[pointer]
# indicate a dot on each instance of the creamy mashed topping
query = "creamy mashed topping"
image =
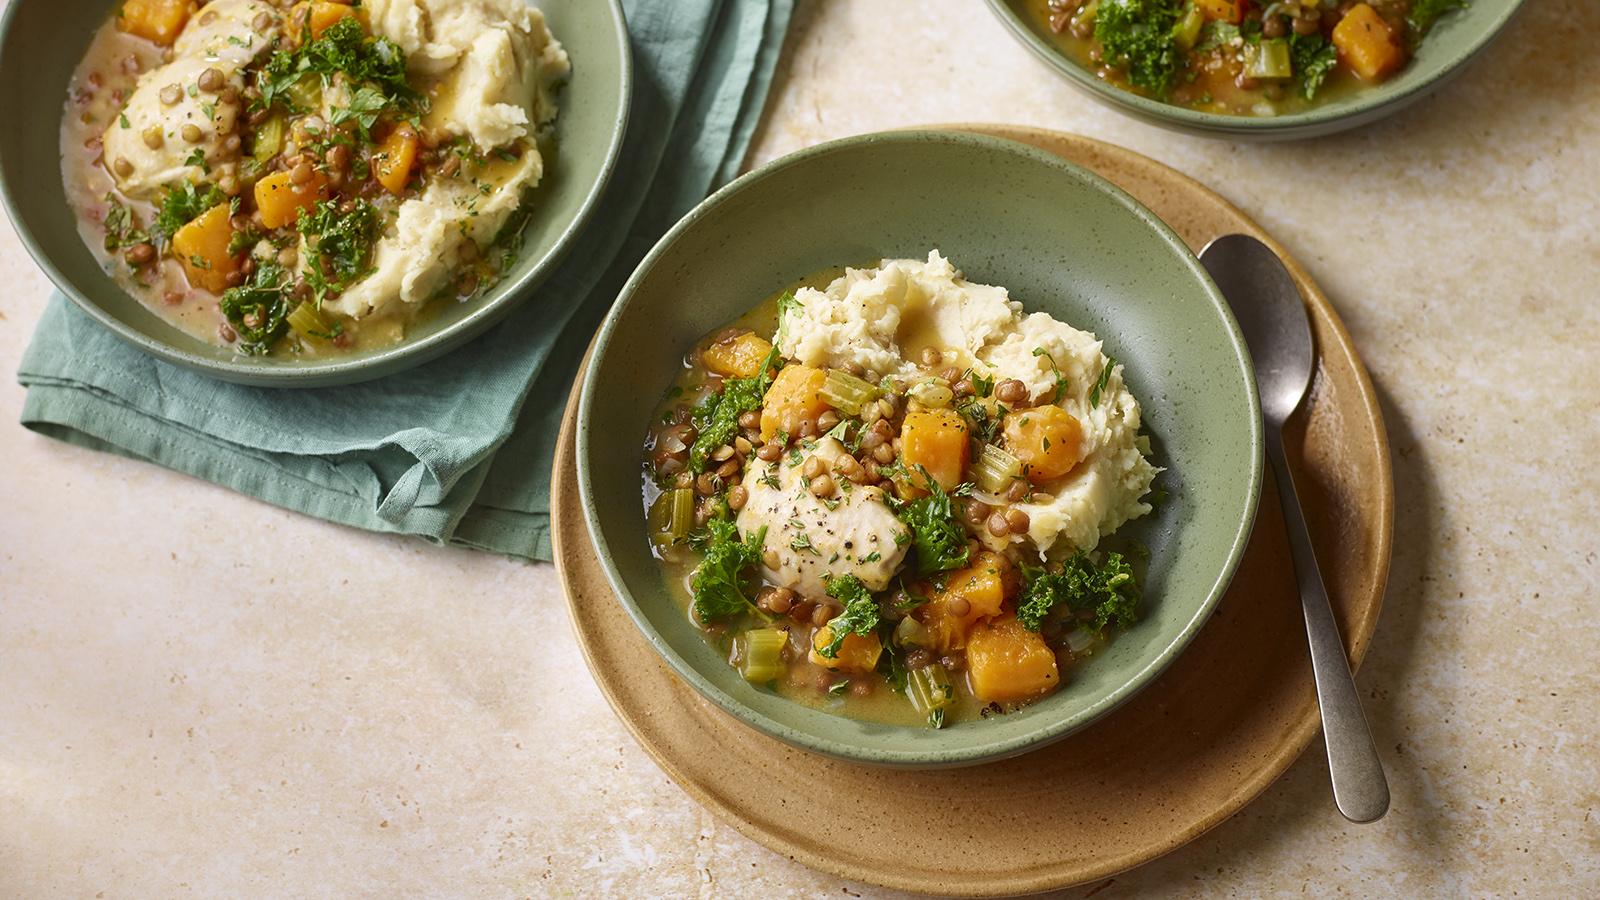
(879, 318)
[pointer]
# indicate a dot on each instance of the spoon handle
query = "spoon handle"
(1359, 787)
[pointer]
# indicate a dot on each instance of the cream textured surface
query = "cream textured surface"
(204, 695)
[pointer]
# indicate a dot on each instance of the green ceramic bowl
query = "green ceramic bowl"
(41, 43)
(1454, 41)
(1065, 242)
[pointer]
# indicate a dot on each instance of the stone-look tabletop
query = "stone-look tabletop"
(187, 708)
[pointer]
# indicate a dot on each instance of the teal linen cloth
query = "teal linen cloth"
(449, 451)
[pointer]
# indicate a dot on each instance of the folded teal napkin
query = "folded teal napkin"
(449, 451)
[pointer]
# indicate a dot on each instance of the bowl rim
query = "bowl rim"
(1378, 103)
(391, 360)
(923, 757)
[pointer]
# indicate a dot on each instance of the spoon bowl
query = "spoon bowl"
(1278, 333)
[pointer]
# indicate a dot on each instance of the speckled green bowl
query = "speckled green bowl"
(1065, 242)
(41, 43)
(1452, 43)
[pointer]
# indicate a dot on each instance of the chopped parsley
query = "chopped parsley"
(375, 68)
(860, 616)
(1313, 58)
(718, 580)
(182, 205)
(121, 229)
(340, 244)
(1100, 383)
(198, 158)
(1108, 590)
(1061, 380)
(258, 309)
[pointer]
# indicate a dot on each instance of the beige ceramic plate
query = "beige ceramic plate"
(1210, 734)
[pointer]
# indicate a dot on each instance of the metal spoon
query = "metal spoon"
(1271, 315)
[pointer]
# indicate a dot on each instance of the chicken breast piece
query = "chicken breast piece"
(853, 533)
(148, 147)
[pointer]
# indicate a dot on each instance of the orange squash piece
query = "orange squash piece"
(155, 20)
(936, 440)
(392, 161)
(795, 396)
(320, 15)
(280, 200)
(858, 655)
(202, 247)
(983, 586)
(1367, 44)
(740, 357)
(1222, 10)
(1006, 662)
(1047, 440)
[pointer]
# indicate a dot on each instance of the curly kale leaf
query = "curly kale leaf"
(1108, 590)
(1137, 35)
(936, 533)
(718, 581)
(860, 616)
(717, 417)
(259, 308)
(1425, 12)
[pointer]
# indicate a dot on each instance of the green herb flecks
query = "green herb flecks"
(340, 244)
(374, 68)
(121, 229)
(182, 205)
(1061, 380)
(258, 309)
(1425, 12)
(1100, 383)
(1313, 58)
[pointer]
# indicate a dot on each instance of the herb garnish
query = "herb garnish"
(1100, 383)
(717, 587)
(1137, 35)
(339, 244)
(1108, 590)
(860, 616)
(717, 417)
(936, 534)
(257, 310)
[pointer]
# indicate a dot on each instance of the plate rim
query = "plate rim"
(1357, 637)
(1303, 124)
(997, 749)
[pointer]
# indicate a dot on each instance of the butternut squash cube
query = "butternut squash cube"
(795, 396)
(202, 247)
(1047, 440)
(1367, 44)
(155, 20)
(970, 595)
(319, 15)
(280, 200)
(1222, 10)
(936, 440)
(1006, 662)
(392, 161)
(740, 357)
(858, 655)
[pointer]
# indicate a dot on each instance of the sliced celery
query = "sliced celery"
(759, 652)
(1269, 60)
(911, 633)
(1187, 32)
(847, 393)
(995, 469)
(680, 519)
(306, 92)
(930, 691)
(307, 322)
(268, 140)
